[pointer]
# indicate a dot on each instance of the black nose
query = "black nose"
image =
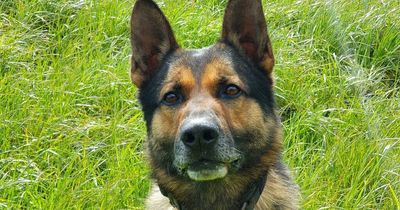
(199, 134)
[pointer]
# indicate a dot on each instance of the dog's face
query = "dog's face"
(209, 112)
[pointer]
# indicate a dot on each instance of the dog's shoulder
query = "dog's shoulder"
(156, 200)
(279, 192)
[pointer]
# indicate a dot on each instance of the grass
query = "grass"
(71, 130)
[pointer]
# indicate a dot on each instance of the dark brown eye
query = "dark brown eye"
(231, 91)
(171, 98)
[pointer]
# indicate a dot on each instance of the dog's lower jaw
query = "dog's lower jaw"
(233, 191)
(279, 193)
(223, 192)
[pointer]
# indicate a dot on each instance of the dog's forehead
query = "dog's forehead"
(206, 60)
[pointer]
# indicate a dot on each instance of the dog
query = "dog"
(214, 139)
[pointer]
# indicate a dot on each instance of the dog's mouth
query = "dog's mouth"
(208, 170)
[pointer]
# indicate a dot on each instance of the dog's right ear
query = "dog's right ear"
(245, 28)
(151, 38)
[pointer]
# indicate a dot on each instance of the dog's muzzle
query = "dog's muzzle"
(203, 151)
(200, 134)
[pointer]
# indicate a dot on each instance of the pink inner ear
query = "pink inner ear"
(250, 49)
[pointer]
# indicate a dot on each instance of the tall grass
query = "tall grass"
(71, 130)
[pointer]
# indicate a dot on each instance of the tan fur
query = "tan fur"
(164, 124)
(136, 75)
(157, 201)
(278, 194)
(219, 69)
(268, 62)
(166, 119)
(179, 74)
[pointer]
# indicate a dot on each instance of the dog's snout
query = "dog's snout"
(196, 135)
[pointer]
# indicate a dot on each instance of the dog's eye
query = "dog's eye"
(231, 91)
(171, 98)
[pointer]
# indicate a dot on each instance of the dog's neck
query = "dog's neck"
(247, 200)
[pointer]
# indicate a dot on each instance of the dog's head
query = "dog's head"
(209, 112)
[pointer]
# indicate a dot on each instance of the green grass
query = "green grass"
(71, 130)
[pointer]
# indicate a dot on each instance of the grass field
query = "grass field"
(71, 130)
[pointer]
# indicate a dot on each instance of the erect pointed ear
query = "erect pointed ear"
(151, 38)
(245, 28)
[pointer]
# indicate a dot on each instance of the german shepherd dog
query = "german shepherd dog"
(214, 138)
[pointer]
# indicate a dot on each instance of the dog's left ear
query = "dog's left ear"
(245, 28)
(151, 38)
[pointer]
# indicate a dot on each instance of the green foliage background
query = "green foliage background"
(71, 130)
